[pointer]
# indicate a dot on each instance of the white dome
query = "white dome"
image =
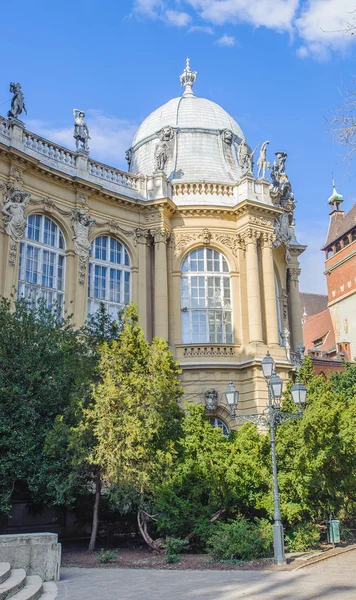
(197, 151)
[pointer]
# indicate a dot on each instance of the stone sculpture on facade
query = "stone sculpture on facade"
(17, 102)
(81, 131)
(13, 213)
(188, 78)
(281, 189)
(227, 136)
(297, 357)
(211, 399)
(81, 223)
(163, 148)
(245, 157)
(128, 156)
(262, 162)
(283, 233)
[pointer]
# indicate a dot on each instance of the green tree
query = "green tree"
(133, 416)
(40, 358)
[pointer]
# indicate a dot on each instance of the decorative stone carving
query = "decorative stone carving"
(283, 233)
(211, 399)
(160, 235)
(12, 253)
(281, 189)
(17, 102)
(294, 274)
(227, 136)
(163, 148)
(260, 221)
(297, 357)
(250, 236)
(206, 236)
(285, 335)
(128, 156)
(230, 241)
(267, 239)
(284, 298)
(153, 217)
(262, 161)
(245, 157)
(81, 131)
(181, 240)
(211, 351)
(13, 211)
(141, 236)
(48, 204)
(81, 223)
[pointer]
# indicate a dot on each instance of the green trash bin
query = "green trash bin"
(333, 531)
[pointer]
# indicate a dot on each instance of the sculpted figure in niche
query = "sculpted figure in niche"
(211, 399)
(13, 213)
(245, 157)
(81, 225)
(162, 150)
(81, 131)
(262, 162)
(17, 102)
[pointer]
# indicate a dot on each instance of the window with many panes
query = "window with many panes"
(219, 424)
(109, 275)
(206, 298)
(42, 262)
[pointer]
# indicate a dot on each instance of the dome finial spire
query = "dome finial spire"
(188, 79)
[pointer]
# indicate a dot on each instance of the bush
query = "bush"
(175, 547)
(106, 556)
(241, 539)
(302, 537)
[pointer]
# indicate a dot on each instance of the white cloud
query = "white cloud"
(110, 137)
(277, 14)
(318, 25)
(322, 25)
(226, 40)
(201, 29)
(179, 19)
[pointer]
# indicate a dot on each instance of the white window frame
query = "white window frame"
(35, 290)
(94, 302)
(194, 317)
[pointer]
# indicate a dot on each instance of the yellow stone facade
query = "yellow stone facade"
(141, 212)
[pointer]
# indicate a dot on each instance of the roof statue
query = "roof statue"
(17, 102)
(262, 162)
(188, 78)
(81, 131)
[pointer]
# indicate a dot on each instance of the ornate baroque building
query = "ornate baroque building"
(205, 248)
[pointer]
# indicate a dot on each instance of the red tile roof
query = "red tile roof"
(319, 327)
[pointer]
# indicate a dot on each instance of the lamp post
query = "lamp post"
(272, 418)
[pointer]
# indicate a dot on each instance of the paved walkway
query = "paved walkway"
(333, 579)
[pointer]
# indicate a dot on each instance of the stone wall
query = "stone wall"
(37, 553)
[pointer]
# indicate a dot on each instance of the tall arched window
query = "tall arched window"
(206, 298)
(109, 275)
(42, 261)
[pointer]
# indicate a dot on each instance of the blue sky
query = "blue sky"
(277, 66)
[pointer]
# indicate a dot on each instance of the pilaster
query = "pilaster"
(293, 274)
(269, 289)
(253, 287)
(160, 239)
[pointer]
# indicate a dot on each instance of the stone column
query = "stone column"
(253, 288)
(160, 237)
(295, 306)
(269, 289)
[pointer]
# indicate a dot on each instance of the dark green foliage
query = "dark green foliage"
(241, 539)
(302, 537)
(175, 547)
(40, 357)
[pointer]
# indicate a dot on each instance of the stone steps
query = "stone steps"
(16, 585)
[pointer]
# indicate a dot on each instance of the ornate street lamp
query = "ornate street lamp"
(272, 417)
(232, 397)
(299, 394)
